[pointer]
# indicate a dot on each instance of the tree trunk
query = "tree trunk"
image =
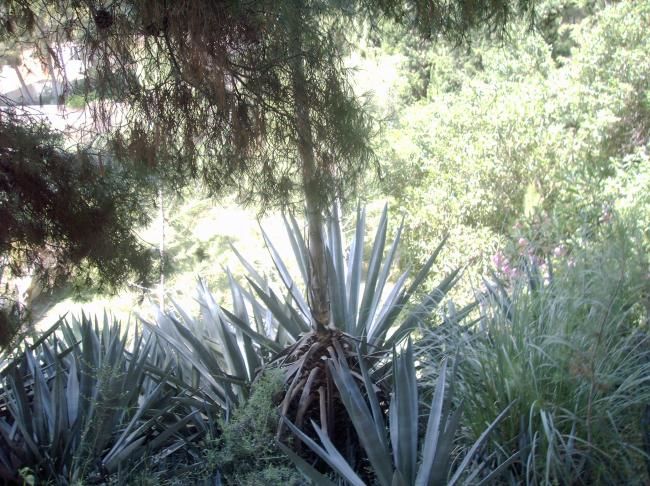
(64, 72)
(318, 290)
(161, 250)
(23, 86)
(50, 66)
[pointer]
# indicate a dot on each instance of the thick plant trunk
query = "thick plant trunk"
(318, 290)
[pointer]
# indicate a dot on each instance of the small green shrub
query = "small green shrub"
(246, 452)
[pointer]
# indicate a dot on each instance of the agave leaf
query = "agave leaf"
(72, 391)
(426, 268)
(206, 398)
(389, 312)
(72, 342)
(362, 420)
(106, 411)
(284, 318)
(42, 403)
(29, 441)
(336, 294)
(335, 243)
(299, 247)
(6, 466)
(127, 436)
(284, 338)
(428, 304)
(18, 404)
(249, 268)
(255, 336)
(328, 453)
(173, 430)
(336, 273)
(442, 461)
(433, 298)
(60, 408)
(205, 363)
(131, 379)
(285, 276)
(208, 362)
(183, 313)
(299, 318)
(89, 364)
(382, 280)
(355, 262)
(43, 337)
(305, 468)
(232, 353)
(128, 444)
(398, 479)
(377, 414)
(263, 319)
(403, 414)
(448, 427)
(131, 451)
(372, 275)
(253, 360)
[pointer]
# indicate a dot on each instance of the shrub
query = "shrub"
(571, 348)
(246, 452)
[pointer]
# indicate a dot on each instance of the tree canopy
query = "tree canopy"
(205, 89)
(248, 95)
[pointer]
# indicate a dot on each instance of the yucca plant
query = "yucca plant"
(223, 349)
(397, 454)
(362, 310)
(80, 405)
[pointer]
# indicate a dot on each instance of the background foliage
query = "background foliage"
(480, 137)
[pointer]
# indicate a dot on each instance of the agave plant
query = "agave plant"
(365, 310)
(396, 456)
(222, 350)
(80, 405)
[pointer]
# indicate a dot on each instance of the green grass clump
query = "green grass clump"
(572, 351)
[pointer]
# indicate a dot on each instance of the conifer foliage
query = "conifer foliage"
(62, 211)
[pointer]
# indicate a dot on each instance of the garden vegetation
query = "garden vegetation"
(495, 333)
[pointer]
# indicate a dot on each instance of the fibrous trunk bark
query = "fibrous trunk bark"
(318, 290)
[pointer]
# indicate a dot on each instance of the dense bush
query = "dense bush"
(247, 452)
(567, 340)
(481, 136)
